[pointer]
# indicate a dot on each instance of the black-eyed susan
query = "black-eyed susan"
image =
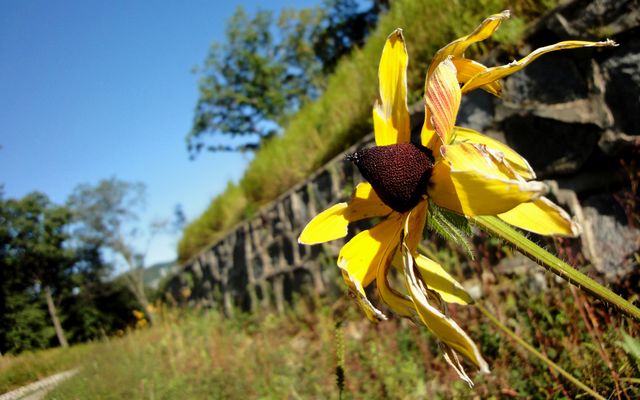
(454, 168)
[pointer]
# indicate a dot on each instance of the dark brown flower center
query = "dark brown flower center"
(399, 173)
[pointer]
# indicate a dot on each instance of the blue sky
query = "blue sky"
(94, 89)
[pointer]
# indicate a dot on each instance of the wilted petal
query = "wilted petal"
(332, 223)
(442, 96)
(396, 301)
(416, 221)
(458, 46)
(357, 291)
(517, 162)
(469, 182)
(542, 217)
(391, 115)
(467, 69)
(436, 278)
(445, 329)
(492, 74)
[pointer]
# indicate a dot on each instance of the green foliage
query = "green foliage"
(322, 129)
(294, 355)
(37, 254)
(450, 226)
(250, 84)
(105, 216)
(269, 68)
(25, 323)
(33, 259)
(16, 371)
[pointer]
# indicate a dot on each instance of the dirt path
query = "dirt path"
(37, 390)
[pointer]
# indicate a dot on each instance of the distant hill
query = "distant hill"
(154, 274)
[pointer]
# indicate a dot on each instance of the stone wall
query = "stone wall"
(575, 115)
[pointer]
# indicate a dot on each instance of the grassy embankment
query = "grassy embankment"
(342, 115)
(200, 354)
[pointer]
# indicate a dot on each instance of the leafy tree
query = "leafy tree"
(251, 83)
(104, 214)
(344, 26)
(268, 68)
(34, 263)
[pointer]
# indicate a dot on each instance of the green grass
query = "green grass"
(16, 371)
(199, 354)
(342, 115)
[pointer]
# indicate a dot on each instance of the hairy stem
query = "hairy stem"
(503, 230)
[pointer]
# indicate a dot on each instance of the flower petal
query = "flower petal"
(416, 220)
(332, 223)
(329, 225)
(396, 301)
(492, 74)
(467, 69)
(542, 217)
(458, 46)
(365, 203)
(391, 115)
(357, 291)
(361, 257)
(445, 328)
(469, 182)
(442, 96)
(517, 162)
(436, 278)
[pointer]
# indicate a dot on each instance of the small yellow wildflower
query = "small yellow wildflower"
(455, 168)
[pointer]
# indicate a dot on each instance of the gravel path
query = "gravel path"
(37, 390)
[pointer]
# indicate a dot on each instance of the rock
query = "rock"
(615, 241)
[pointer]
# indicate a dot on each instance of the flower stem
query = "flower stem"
(536, 353)
(547, 260)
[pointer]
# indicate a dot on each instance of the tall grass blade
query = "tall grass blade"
(536, 353)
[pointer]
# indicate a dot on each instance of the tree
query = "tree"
(344, 26)
(251, 84)
(34, 263)
(104, 215)
(268, 68)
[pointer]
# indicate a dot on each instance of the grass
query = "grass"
(342, 115)
(16, 371)
(200, 354)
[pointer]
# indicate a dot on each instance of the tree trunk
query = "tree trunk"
(54, 317)
(135, 282)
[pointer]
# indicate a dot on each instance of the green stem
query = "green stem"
(503, 230)
(536, 353)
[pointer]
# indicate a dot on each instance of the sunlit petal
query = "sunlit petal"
(416, 221)
(396, 301)
(358, 293)
(467, 69)
(368, 250)
(542, 217)
(442, 97)
(391, 115)
(329, 225)
(475, 186)
(439, 280)
(458, 46)
(365, 203)
(492, 74)
(446, 329)
(517, 162)
(332, 223)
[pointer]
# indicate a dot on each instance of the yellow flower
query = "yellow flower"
(455, 168)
